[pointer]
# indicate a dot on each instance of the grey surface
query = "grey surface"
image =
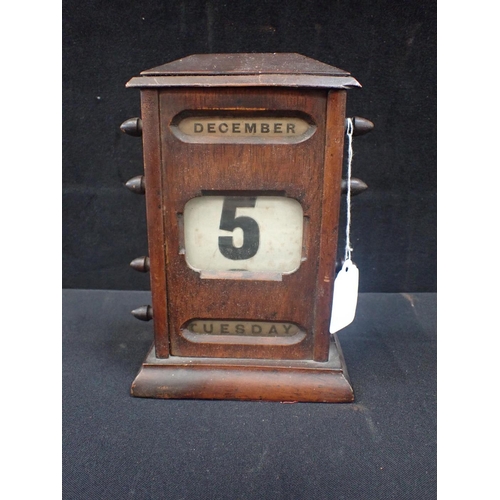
(383, 446)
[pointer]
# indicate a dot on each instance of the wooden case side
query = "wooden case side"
(156, 235)
(332, 178)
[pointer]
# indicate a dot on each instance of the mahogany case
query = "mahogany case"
(224, 91)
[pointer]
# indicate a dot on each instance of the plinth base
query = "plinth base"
(245, 379)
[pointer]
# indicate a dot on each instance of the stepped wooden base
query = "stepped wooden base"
(245, 379)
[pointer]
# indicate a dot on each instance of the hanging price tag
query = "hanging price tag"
(345, 296)
(345, 289)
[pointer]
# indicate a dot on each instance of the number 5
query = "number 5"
(229, 222)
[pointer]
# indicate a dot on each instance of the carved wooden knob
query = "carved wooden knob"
(357, 186)
(140, 264)
(132, 126)
(144, 313)
(136, 184)
(361, 126)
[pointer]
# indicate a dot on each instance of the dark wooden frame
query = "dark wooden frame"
(308, 171)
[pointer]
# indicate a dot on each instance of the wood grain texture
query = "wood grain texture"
(332, 179)
(256, 64)
(190, 170)
(177, 171)
(202, 349)
(290, 81)
(247, 70)
(156, 236)
(250, 380)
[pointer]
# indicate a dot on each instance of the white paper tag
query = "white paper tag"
(345, 296)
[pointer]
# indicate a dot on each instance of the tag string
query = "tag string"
(348, 248)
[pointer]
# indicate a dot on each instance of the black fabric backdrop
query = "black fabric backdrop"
(388, 45)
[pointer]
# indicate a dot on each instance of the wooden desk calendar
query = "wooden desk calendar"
(242, 177)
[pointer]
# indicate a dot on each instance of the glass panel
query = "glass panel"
(239, 127)
(243, 233)
(250, 328)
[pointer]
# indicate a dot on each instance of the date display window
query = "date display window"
(243, 236)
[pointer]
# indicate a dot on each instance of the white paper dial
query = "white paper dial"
(243, 233)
